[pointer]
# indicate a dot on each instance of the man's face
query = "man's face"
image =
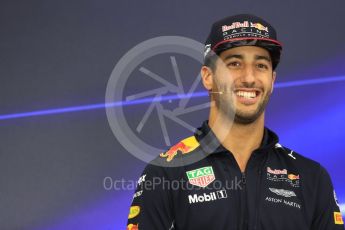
(245, 75)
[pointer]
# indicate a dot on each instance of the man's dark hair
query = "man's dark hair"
(210, 61)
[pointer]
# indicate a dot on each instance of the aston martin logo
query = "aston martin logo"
(283, 192)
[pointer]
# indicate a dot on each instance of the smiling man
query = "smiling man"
(232, 173)
(240, 83)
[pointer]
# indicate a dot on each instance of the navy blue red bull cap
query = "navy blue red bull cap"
(243, 30)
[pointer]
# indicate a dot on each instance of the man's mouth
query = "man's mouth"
(247, 96)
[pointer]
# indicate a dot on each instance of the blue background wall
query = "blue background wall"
(58, 54)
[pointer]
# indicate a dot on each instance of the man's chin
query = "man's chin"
(246, 119)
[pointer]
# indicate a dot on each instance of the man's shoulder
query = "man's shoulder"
(300, 161)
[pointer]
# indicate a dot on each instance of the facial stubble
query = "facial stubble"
(225, 103)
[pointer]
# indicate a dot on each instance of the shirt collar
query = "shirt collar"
(210, 143)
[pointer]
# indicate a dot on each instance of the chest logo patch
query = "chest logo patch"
(279, 175)
(201, 177)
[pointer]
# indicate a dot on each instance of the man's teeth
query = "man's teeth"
(246, 94)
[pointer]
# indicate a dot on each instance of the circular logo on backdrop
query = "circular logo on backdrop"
(155, 92)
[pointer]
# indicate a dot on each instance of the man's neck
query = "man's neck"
(240, 139)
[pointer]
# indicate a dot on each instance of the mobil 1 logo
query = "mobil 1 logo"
(207, 197)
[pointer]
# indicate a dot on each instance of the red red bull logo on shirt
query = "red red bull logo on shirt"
(276, 171)
(185, 146)
(278, 175)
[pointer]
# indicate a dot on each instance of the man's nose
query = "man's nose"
(248, 75)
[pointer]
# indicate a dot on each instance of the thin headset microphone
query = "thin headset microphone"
(218, 92)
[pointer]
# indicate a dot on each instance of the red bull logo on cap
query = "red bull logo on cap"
(235, 25)
(245, 24)
(185, 146)
(293, 177)
(259, 26)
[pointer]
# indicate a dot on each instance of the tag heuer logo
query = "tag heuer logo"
(201, 177)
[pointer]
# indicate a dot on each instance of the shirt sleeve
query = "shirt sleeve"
(151, 207)
(327, 214)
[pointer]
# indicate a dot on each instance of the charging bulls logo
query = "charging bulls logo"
(185, 146)
(259, 26)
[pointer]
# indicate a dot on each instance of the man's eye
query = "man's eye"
(234, 64)
(262, 66)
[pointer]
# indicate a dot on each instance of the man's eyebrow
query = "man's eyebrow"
(239, 56)
(261, 57)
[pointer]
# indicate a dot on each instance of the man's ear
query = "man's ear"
(274, 74)
(207, 77)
